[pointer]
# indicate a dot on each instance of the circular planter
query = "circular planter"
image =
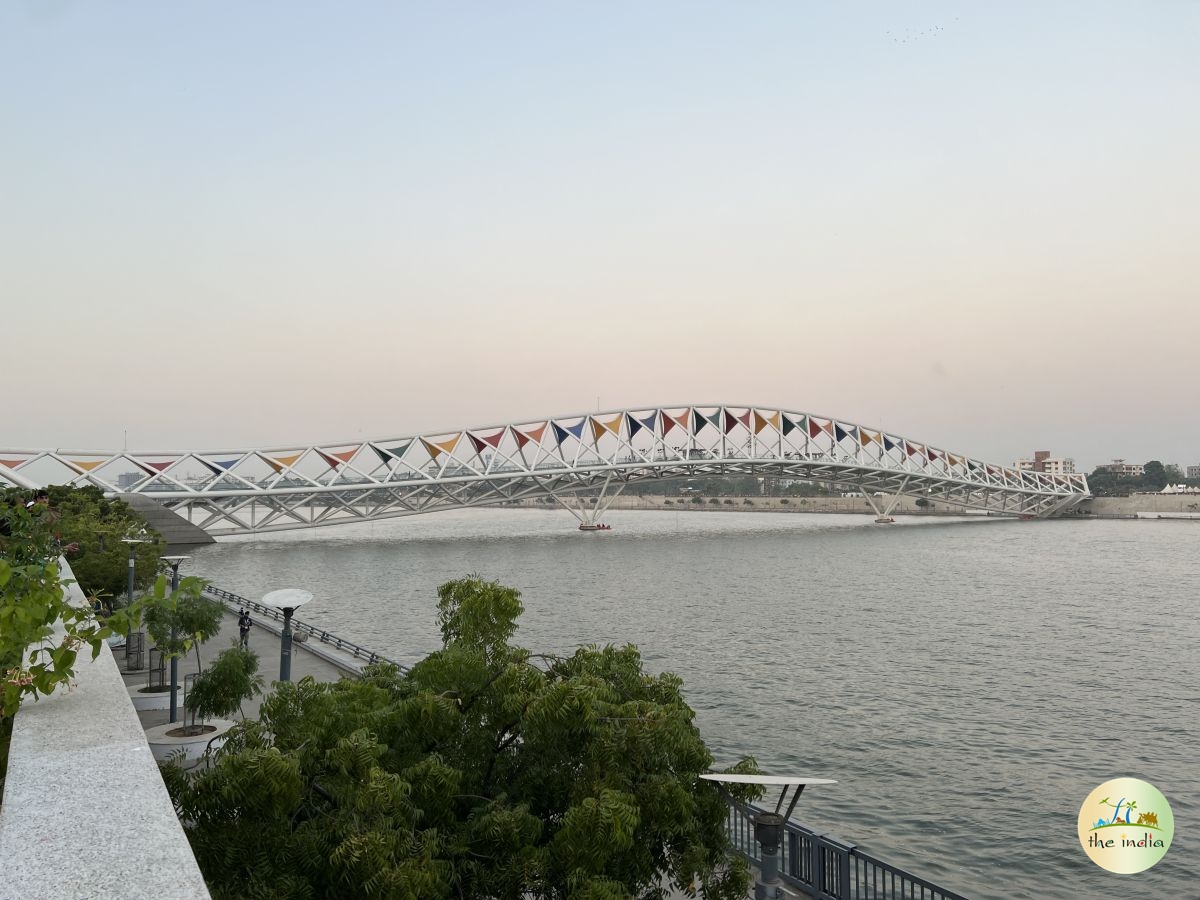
(163, 744)
(144, 700)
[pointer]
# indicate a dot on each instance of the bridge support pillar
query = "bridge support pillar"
(589, 517)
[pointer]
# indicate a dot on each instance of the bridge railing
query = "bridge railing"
(825, 867)
(231, 601)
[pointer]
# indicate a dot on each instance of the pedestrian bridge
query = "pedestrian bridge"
(570, 459)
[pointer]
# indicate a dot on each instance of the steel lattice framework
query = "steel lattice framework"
(255, 490)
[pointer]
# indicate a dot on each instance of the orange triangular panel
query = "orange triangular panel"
(865, 437)
(524, 437)
(597, 428)
(333, 460)
(279, 463)
(11, 463)
(87, 466)
(437, 448)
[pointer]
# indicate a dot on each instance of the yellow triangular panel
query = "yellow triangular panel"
(87, 466)
(279, 463)
(437, 448)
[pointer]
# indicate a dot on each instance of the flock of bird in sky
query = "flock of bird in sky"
(908, 36)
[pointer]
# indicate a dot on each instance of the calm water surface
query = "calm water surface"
(968, 683)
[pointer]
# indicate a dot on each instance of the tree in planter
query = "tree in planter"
(219, 692)
(180, 621)
(486, 771)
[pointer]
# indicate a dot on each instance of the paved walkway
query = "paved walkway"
(321, 662)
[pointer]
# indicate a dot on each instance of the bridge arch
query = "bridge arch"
(252, 490)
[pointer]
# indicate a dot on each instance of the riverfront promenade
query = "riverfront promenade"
(321, 662)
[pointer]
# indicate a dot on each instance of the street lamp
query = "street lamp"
(131, 543)
(174, 563)
(287, 599)
(768, 826)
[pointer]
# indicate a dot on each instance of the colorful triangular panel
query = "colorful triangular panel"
(437, 448)
(279, 463)
(535, 435)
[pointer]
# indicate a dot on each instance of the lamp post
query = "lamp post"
(131, 543)
(174, 562)
(289, 600)
(768, 826)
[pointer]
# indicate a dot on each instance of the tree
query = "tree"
(181, 620)
(221, 690)
(486, 771)
(94, 525)
(1154, 476)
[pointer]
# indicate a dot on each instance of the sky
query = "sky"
(227, 224)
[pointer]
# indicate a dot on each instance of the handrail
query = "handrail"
(226, 598)
(825, 867)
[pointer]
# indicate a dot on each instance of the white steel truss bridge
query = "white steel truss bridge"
(566, 458)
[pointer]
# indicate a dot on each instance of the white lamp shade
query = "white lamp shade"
(286, 598)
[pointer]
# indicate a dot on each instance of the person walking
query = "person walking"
(244, 623)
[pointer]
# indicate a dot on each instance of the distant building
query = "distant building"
(126, 480)
(1043, 462)
(1124, 469)
(1193, 471)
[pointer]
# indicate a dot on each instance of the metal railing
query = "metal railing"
(825, 867)
(232, 602)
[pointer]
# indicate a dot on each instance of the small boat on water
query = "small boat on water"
(885, 520)
(596, 527)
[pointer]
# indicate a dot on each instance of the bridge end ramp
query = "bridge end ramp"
(176, 530)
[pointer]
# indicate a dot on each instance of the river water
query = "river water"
(967, 682)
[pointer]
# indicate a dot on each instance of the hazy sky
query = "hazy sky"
(224, 224)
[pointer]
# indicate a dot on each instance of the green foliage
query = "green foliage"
(41, 632)
(922, 502)
(94, 526)
(486, 772)
(220, 690)
(181, 620)
(1155, 476)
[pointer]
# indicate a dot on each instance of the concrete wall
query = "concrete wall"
(1131, 506)
(86, 813)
